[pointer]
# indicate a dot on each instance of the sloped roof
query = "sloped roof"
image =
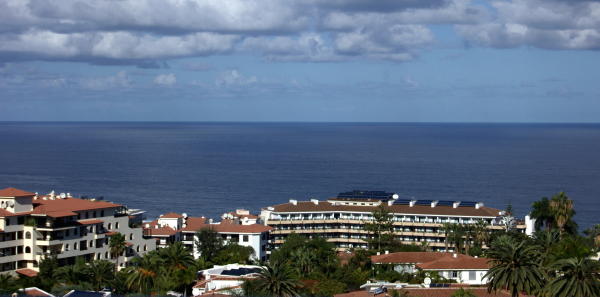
(61, 206)
(324, 206)
(27, 272)
(160, 231)
(171, 215)
(13, 192)
(431, 292)
(456, 263)
(407, 257)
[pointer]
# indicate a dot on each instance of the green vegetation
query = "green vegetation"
(554, 262)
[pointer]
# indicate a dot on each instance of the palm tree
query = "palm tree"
(117, 246)
(277, 280)
(143, 273)
(546, 240)
(516, 267)
(447, 227)
(594, 234)
(100, 273)
(576, 277)
(180, 265)
(303, 260)
(7, 284)
(482, 234)
(540, 211)
(561, 208)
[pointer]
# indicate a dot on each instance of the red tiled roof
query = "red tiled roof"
(127, 243)
(194, 224)
(12, 192)
(69, 204)
(407, 257)
(90, 221)
(171, 215)
(460, 262)
(27, 272)
(431, 292)
(36, 292)
(161, 231)
(307, 206)
(111, 233)
(225, 226)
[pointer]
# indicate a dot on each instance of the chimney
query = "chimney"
(378, 253)
(412, 203)
(434, 203)
(294, 201)
(315, 201)
(478, 205)
(387, 252)
(390, 202)
(455, 255)
(455, 204)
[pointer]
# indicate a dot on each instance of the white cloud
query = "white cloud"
(234, 78)
(165, 79)
(119, 80)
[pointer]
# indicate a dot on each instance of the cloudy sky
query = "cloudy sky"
(300, 60)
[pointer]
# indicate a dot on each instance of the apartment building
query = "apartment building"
(238, 227)
(34, 226)
(341, 219)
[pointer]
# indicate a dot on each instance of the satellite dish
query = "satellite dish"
(427, 281)
(395, 196)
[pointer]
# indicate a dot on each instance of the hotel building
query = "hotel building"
(34, 226)
(341, 220)
(238, 227)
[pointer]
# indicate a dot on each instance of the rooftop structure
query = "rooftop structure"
(341, 219)
(461, 268)
(224, 279)
(172, 227)
(32, 226)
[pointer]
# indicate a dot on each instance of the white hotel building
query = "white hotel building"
(33, 226)
(341, 219)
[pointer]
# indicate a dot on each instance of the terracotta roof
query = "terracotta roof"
(307, 206)
(55, 214)
(36, 292)
(69, 204)
(460, 262)
(430, 292)
(225, 226)
(12, 192)
(194, 224)
(90, 221)
(171, 215)
(127, 243)
(161, 231)
(111, 233)
(27, 272)
(407, 257)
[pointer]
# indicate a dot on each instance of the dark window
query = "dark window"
(245, 238)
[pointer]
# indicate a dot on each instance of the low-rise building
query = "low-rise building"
(461, 268)
(34, 226)
(173, 227)
(341, 220)
(224, 279)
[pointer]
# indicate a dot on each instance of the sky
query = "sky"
(300, 60)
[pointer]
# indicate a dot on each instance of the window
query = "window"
(27, 250)
(27, 235)
(131, 236)
(117, 225)
(109, 226)
(454, 274)
(245, 238)
(472, 275)
(66, 247)
(75, 246)
(102, 213)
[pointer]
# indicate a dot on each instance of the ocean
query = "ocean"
(205, 169)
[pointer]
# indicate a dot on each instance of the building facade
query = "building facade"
(240, 229)
(35, 226)
(341, 220)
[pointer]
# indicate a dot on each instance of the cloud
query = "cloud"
(165, 79)
(548, 24)
(119, 80)
(234, 78)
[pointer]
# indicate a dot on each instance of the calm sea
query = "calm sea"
(209, 168)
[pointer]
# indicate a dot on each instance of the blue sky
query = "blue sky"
(300, 60)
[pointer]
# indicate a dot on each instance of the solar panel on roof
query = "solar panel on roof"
(445, 203)
(358, 194)
(467, 203)
(424, 202)
(402, 202)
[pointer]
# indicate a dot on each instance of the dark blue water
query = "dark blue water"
(209, 168)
